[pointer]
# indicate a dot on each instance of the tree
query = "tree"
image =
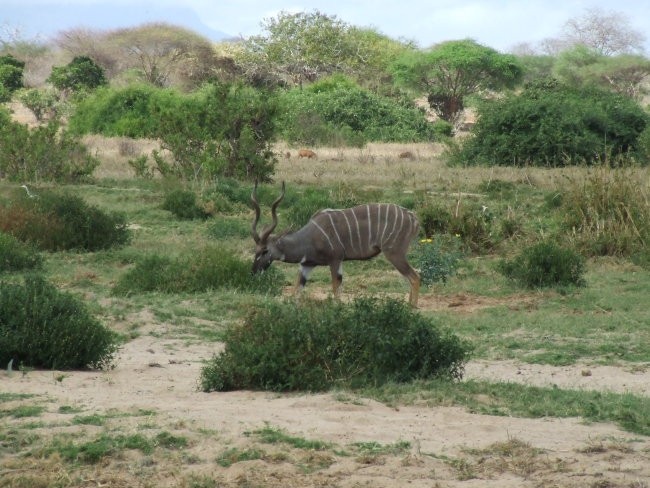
(221, 130)
(298, 47)
(452, 70)
(159, 51)
(80, 73)
(606, 32)
(624, 73)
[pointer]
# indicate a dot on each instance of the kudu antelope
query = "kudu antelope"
(333, 236)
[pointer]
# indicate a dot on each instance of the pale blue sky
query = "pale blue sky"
(497, 23)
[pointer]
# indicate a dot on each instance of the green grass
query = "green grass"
(272, 435)
(630, 412)
(23, 411)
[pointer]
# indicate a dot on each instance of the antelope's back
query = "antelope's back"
(361, 231)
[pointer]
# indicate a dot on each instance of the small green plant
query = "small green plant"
(141, 167)
(434, 262)
(16, 255)
(314, 346)
(43, 327)
(545, 264)
(233, 455)
(210, 268)
(183, 204)
(273, 435)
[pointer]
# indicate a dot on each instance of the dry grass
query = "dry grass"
(377, 165)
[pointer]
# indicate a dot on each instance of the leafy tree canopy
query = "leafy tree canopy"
(81, 73)
(450, 71)
(624, 73)
(303, 47)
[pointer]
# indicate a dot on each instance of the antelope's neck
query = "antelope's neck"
(292, 248)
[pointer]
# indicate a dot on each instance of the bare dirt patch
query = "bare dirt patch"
(446, 447)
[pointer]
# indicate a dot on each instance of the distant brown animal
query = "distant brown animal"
(306, 153)
(407, 155)
(287, 155)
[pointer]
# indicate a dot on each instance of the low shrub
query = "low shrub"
(545, 264)
(314, 346)
(433, 259)
(206, 269)
(44, 328)
(16, 255)
(57, 221)
(183, 204)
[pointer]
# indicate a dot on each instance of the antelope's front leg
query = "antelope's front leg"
(303, 276)
(336, 269)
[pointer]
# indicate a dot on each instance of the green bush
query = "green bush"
(16, 255)
(11, 73)
(44, 328)
(545, 264)
(314, 346)
(436, 259)
(551, 124)
(124, 112)
(206, 269)
(350, 114)
(182, 203)
(44, 153)
(57, 221)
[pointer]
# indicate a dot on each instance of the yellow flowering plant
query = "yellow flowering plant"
(437, 258)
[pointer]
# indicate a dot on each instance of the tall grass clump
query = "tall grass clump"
(16, 255)
(207, 269)
(59, 221)
(608, 212)
(314, 346)
(545, 264)
(43, 327)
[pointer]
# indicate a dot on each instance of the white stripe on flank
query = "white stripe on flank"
(329, 214)
(401, 223)
(383, 233)
(324, 233)
(392, 230)
(358, 231)
(378, 222)
(369, 225)
(345, 216)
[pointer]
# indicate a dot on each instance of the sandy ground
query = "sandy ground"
(449, 447)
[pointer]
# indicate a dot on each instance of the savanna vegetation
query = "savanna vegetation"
(128, 194)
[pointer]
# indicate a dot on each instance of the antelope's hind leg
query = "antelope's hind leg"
(336, 270)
